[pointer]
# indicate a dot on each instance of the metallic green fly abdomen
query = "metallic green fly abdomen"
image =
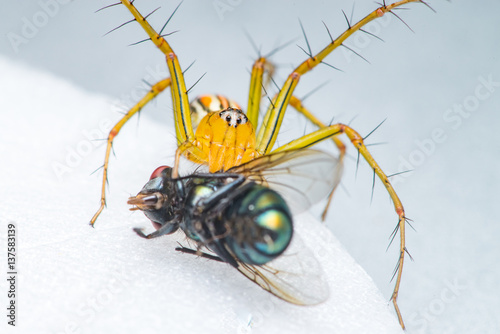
(264, 228)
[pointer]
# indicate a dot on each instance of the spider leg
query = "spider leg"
(153, 92)
(180, 101)
(262, 66)
(273, 118)
(357, 141)
(296, 103)
(192, 152)
(259, 68)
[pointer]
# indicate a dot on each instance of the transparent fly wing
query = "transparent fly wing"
(295, 276)
(303, 177)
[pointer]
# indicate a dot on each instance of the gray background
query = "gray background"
(413, 80)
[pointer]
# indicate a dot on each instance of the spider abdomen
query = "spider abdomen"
(204, 104)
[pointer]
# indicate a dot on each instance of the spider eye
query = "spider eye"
(238, 121)
(157, 172)
(228, 118)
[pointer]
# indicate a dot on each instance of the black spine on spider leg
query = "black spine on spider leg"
(107, 184)
(108, 6)
(331, 66)
(314, 90)
(171, 15)
(373, 187)
(369, 134)
(252, 43)
(396, 269)
(329, 34)
(307, 41)
(121, 25)
(400, 8)
(406, 250)
(347, 20)
(359, 154)
(98, 168)
(364, 139)
(428, 6)
(147, 84)
(399, 18)
(399, 173)
(279, 48)
(307, 53)
(408, 221)
(267, 56)
(268, 97)
(146, 17)
(187, 68)
(371, 34)
(188, 90)
(275, 84)
(356, 53)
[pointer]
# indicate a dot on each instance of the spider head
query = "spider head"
(233, 117)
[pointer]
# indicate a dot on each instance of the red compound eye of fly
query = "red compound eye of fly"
(158, 171)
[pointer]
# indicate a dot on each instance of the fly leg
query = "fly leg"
(186, 250)
(167, 228)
